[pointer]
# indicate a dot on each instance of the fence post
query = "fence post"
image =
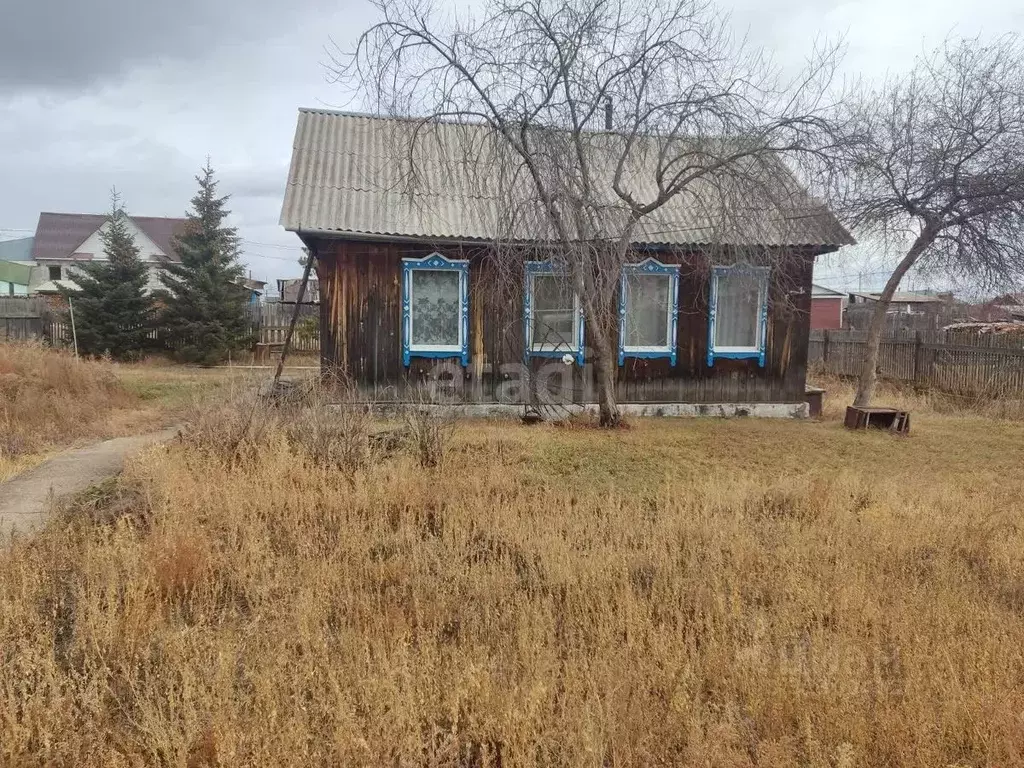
(824, 348)
(917, 355)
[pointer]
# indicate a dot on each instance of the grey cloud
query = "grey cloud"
(136, 93)
(75, 43)
(256, 183)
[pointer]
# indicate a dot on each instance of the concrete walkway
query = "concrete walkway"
(26, 501)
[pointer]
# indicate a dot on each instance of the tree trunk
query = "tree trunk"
(869, 367)
(611, 416)
(602, 323)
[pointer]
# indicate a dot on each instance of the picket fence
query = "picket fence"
(957, 362)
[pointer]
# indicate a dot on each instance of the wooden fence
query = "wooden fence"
(24, 318)
(270, 324)
(957, 362)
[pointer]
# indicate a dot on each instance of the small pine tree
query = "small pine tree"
(204, 311)
(113, 314)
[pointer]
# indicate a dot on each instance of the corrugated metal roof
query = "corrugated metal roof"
(905, 297)
(822, 291)
(59, 234)
(355, 174)
(16, 250)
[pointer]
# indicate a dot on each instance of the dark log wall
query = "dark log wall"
(361, 312)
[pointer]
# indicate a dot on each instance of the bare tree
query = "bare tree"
(936, 159)
(592, 124)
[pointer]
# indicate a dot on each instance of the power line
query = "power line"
(292, 259)
(275, 245)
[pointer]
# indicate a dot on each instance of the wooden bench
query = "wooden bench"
(891, 419)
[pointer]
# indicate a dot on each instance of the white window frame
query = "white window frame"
(548, 349)
(435, 262)
(758, 350)
(670, 272)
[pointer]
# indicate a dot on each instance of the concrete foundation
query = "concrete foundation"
(641, 410)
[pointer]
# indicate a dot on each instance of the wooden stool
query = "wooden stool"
(264, 350)
(891, 419)
(815, 397)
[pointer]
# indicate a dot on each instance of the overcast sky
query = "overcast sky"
(96, 93)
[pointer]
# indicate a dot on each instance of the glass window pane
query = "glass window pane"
(554, 313)
(739, 310)
(647, 307)
(435, 308)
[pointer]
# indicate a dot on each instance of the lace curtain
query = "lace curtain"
(647, 307)
(435, 308)
(738, 313)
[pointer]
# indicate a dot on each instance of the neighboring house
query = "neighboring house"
(256, 289)
(288, 290)
(907, 302)
(406, 284)
(826, 308)
(64, 240)
(15, 266)
(908, 311)
(1008, 308)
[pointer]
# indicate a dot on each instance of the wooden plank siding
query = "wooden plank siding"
(361, 314)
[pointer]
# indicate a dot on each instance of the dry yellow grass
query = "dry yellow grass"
(995, 404)
(720, 593)
(49, 400)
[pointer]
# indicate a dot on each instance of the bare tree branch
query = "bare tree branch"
(939, 153)
(698, 118)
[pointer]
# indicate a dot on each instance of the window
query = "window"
(739, 313)
(648, 310)
(54, 273)
(552, 314)
(435, 308)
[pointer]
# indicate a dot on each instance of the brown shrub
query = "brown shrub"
(429, 433)
(321, 420)
(181, 563)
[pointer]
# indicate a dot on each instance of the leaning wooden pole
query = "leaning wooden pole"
(295, 317)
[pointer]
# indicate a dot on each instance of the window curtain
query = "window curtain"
(647, 307)
(554, 312)
(738, 312)
(435, 308)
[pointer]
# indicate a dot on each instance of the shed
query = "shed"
(826, 308)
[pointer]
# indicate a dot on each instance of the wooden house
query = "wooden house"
(410, 291)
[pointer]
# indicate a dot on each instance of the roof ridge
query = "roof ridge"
(458, 120)
(106, 215)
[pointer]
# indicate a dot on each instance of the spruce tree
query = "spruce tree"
(205, 302)
(113, 314)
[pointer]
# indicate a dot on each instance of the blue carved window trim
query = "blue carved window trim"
(532, 269)
(650, 266)
(757, 352)
(435, 262)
